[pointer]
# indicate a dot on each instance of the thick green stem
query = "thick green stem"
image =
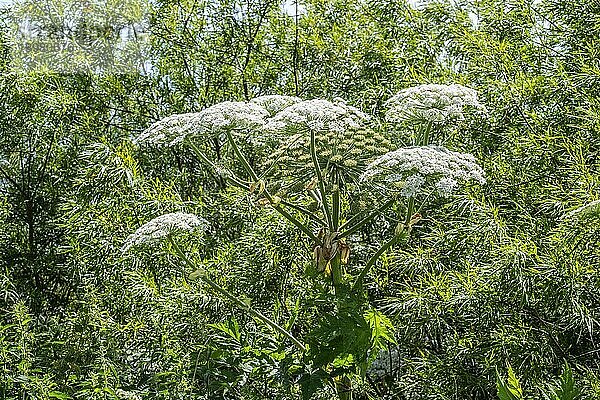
(426, 134)
(336, 273)
(241, 158)
(313, 155)
(336, 210)
(294, 221)
(242, 305)
(373, 260)
(304, 211)
(397, 236)
(362, 222)
(409, 211)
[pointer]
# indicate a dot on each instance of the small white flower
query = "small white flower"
(315, 125)
(431, 102)
(171, 130)
(160, 227)
(445, 186)
(412, 185)
(412, 166)
(318, 115)
(230, 115)
(275, 103)
(215, 119)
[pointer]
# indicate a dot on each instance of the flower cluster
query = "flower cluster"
(342, 145)
(161, 227)
(275, 103)
(318, 115)
(341, 155)
(407, 170)
(275, 113)
(171, 130)
(233, 115)
(385, 364)
(215, 119)
(431, 103)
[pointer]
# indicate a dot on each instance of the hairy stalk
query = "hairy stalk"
(241, 157)
(242, 305)
(409, 211)
(276, 206)
(397, 236)
(425, 135)
(373, 260)
(354, 228)
(304, 211)
(336, 263)
(294, 221)
(313, 155)
(336, 273)
(233, 179)
(336, 210)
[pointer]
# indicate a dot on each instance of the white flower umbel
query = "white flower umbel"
(212, 120)
(275, 103)
(431, 103)
(171, 130)
(318, 115)
(445, 186)
(233, 115)
(160, 227)
(408, 170)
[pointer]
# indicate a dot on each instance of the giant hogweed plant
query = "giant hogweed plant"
(323, 157)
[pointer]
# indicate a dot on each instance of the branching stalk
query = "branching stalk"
(276, 206)
(397, 236)
(373, 260)
(242, 305)
(241, 157)
(304, 211)
(233, 179)
(298, 224)
(426, 133)
(362, 222)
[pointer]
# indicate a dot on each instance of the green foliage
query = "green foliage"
(511, 389)
(566, 389)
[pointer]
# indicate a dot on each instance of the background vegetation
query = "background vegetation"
(504, 276)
